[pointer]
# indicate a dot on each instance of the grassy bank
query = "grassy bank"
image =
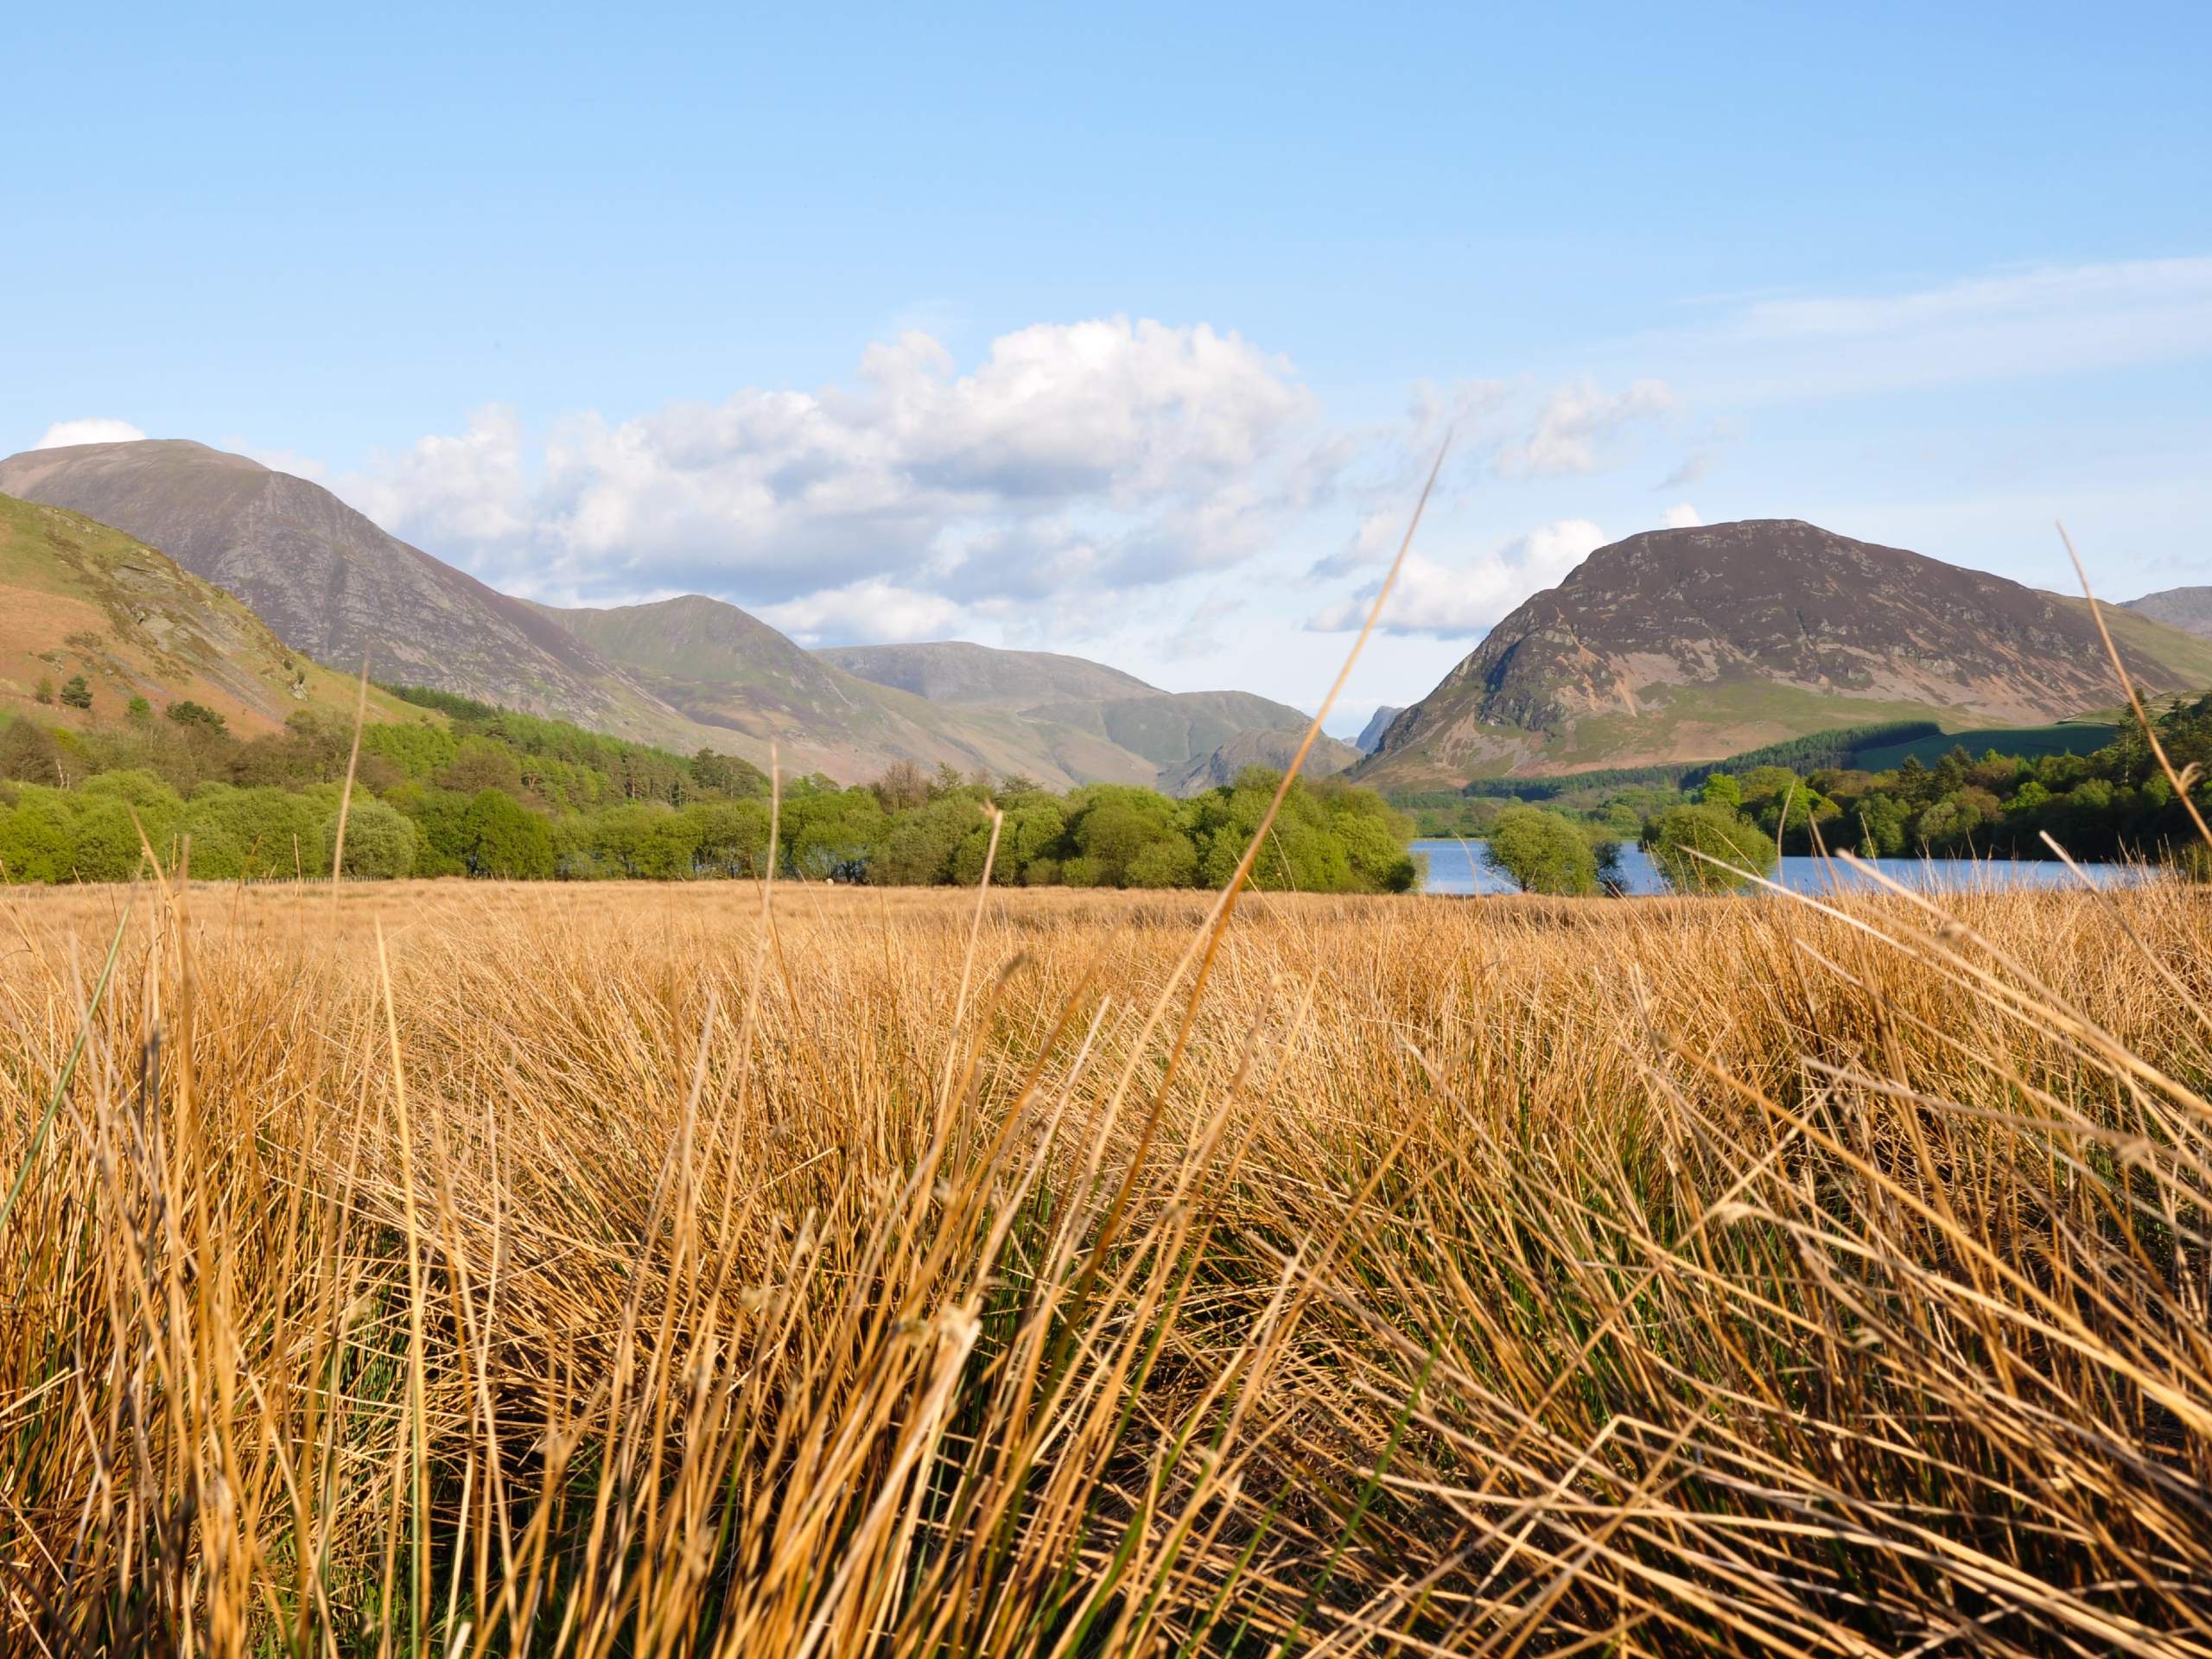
(592, 1270)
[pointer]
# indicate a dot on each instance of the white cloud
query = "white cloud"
(470, 489)
(1453, 600)
(1683, 516)
(869, 612)
(1107, 453)
(62, 433)
(2008, 325)
(1574, 422)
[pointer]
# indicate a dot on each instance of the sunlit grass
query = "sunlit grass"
(1668, 1276)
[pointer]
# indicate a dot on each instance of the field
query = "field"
(474, 1268)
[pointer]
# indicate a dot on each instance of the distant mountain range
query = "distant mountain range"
(1677, 646)
(1688, 644)
(2189, 609)
(687, 673)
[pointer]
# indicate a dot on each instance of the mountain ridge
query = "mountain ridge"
(333, 583)
(685, 673)
(1683, 645)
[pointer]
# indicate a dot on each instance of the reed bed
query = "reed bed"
(468, 1269)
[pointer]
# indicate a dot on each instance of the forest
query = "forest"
(490, 793)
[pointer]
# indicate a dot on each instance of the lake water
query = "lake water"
(1457, 866)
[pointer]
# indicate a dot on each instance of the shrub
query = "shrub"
(732, 836)
(502, 838)
(380, 841)
(918, 851)
(77, 691)
(28, 753)
(832, 833)
(36, 837)
(1707, 848)
(646, 840)
(188, 713)
(1540, 852)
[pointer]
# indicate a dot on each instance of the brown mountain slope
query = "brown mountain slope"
(331, 583)
(1272, 749)
(1172, 728)
(2189, 609)
(1690, 644)
(724, 668)
(957, 672)
(77, 597)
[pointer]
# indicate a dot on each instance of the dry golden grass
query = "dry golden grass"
(615, 1276)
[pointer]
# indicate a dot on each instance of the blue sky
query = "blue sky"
(1126, 332)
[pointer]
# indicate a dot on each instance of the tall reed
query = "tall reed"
(493, 1270)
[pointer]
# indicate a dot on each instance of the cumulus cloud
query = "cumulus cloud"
(472, 489)
(1576, 423)
(1451, 601)
(870, 612)
(1683, 516)
(62, 433)
(1109, 453)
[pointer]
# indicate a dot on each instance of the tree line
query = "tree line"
(493, 793)
(2116, 803)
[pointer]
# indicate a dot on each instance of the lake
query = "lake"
(1450, 871)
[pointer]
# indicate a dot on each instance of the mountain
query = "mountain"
(1687, 644)
(1172, 728)
(1264, 748)
(2189, 609)
(1179, 733)
(686, 673)
(955, 672)
(725, 669)
(332, 584)
(1371, 736)
(77, 597)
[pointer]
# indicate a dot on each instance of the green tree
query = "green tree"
(1880, 823)
(77, 691)
(380, 840)
(1722, 790)
(503, 839)
(647, 840)
(415, 751)
(36, 837)
(1169, 861)
(725, 774)
(103, 844)
(479, 764)
(1112, 824)
(1033, 828)
(1374, 835)
(1540, 852)
(273, 833)
(917, 849)
(441, 820)
(832, 834)
(732, 835)
(1707, 848)
(188, 713)
(28, 753)
(137, 711)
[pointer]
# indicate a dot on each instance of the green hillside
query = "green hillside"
(2021, 742)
